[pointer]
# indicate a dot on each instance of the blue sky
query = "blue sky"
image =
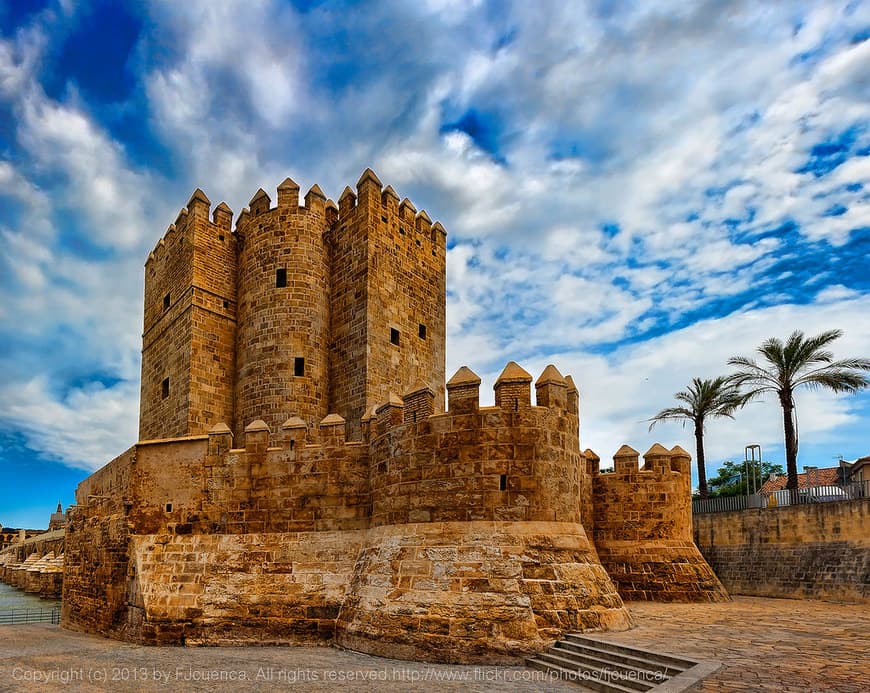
(633, 191)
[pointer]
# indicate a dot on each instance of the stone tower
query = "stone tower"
(301, 311)
(188, 341)
(282, 350)
(388, 300)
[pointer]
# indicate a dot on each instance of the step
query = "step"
(628, 675)
(590, 662)
(606, 645)
(584, 678)
(637, 662)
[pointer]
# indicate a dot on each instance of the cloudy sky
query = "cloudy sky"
(633, 191)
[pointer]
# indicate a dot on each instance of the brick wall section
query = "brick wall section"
(643, 528)
(816, 551)
(167, 334)
(388, 273)
(207, 588)
(213, 318)
(95, 585)
(279, 324)
(192, 341)
(513, 396)
(406, 289)
(450, 467)
(348, 242)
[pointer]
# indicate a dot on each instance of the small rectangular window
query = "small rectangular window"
(502, 482)
(169, 507)
(299, 366)
(281, 278)
(164, 388)
(422, 331)
(166, 302)
(394, 336)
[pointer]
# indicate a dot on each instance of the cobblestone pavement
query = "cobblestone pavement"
(763, 644)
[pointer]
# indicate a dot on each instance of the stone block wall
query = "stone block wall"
(814, 551)
(452, 537)
(188, 339)
(475, 591)
(96, 561)
(254, 588)
(279, 324)
(490, 465)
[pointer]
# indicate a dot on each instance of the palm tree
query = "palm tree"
(703, 399)
(801, 361)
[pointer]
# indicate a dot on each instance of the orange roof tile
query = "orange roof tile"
(818, 477)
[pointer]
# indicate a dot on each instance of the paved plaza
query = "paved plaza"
(763, 645)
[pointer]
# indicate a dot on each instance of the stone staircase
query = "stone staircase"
(598, 665)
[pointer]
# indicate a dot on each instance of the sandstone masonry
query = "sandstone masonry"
(354, 508)
(301, 310)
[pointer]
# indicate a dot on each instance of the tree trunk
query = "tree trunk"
(699, 456)
(785, 400)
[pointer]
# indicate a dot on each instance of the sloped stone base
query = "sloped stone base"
(661, 571)
(465, 592)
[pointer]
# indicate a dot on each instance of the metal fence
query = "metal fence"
(852, 491)
(15, 617)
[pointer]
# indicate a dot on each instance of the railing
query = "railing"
(852, 491)
(15, 617)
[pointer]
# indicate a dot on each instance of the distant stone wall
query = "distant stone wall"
(815, 551)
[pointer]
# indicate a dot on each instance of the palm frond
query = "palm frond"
(834, 379)
(672, 414)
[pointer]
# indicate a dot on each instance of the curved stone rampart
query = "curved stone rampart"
(489, 465)
(643, 528)
(475, 591)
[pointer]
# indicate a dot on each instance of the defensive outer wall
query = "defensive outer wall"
(283, 492)
(812, 551)
(448, 537)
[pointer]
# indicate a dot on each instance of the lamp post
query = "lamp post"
(752, 472)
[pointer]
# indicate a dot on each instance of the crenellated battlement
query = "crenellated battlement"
(198, 207)
(369, 197)
(374, 203)
(315, 203)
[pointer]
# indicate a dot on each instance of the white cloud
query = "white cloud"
(621, 391)
(669, 122)
(86, 429)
